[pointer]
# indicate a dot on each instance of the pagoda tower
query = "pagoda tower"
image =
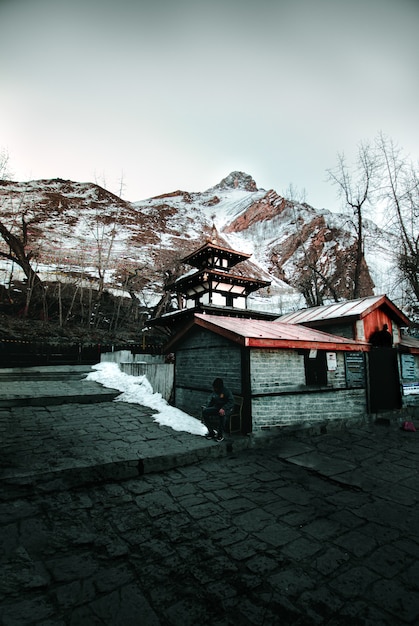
(214, 283)
(211, 286)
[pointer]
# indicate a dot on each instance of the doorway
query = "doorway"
(384, 380)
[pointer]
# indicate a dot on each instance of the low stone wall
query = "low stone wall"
(308, 409)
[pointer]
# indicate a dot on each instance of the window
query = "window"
(315, 366)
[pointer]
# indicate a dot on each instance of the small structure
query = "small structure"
(356, 319)
(393, 361)
(287, 375)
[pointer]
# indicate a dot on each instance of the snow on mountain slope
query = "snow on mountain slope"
(229, 205)
(82, 230)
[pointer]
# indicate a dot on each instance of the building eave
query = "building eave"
(347, 311)
(330, 346)
(409, 345)
(228, 253)
(244, 332)
(197, 278)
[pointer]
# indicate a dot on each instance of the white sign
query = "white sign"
(410, 389)
(331, 361)
(360, 331)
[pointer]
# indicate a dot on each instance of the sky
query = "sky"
(137, 390)
(149, 96)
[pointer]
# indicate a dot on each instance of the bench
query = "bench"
(235, 420)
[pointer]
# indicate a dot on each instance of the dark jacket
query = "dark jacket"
(222, 400)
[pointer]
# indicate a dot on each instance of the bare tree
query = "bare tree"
(357, 187)
(400, 193)
(312, 283)
(5, 173)
(15, 234)
(105, 238)
(295, 194)
(18, 251)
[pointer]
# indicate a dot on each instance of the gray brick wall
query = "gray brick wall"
(191, 400)
(279, 371)
(307, 409)
(276, 370)
(342, 329)
(283, 370)
(202, 357)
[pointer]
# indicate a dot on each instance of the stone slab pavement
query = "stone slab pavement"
(57, 428)
(310, 529)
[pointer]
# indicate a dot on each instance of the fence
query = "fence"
(21, 353)
(159, 374)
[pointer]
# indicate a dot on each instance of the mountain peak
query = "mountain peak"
(237, 180)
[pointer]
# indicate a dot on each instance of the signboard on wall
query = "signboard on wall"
(331, 361)
(408, 366)
(355, 369)
(410, 389)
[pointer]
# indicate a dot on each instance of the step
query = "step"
(52, 391)
(61, 372)
(54, 400)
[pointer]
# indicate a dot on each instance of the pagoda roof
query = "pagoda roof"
(180, 318)
(191, 280)
(202, 253)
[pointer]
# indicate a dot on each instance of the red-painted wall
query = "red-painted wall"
(375, 321)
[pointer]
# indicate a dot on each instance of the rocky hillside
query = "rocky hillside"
(82, 234)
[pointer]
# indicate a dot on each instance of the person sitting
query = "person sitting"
(220, 405)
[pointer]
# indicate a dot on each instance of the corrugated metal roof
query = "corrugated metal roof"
(351, 308)
(411, 343)
(263, 333)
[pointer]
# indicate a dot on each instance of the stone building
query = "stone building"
(287, 375)
(309, 368)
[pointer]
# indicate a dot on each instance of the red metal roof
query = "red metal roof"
(350, 308)
(267, 334)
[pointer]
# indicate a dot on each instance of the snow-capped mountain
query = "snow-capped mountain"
(80, 231)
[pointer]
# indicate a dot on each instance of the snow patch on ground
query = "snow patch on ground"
(137, 390)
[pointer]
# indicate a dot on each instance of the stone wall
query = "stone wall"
(280, 396)
(308, 409)
(200, 358)
(276, 370)
(283, 399)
